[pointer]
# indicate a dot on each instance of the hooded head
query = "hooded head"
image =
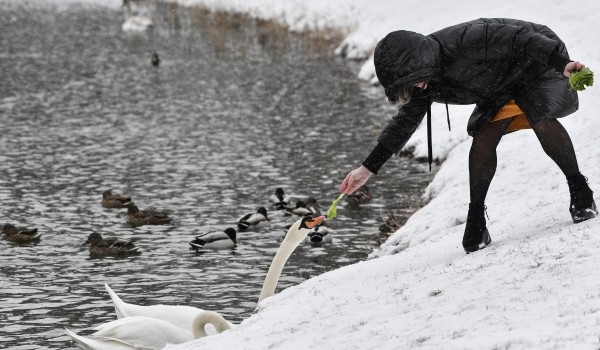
(403, 59)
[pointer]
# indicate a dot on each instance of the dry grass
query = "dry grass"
(235, 31)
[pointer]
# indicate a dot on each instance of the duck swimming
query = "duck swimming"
(20, 235)
(280, 200)
(114, 200)
(361, 196)
(300, 209)
(110, 245)
(255, 220)
(318, 235)
(136, 217)
(215, 240)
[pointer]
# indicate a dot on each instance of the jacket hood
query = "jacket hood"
(404, 58)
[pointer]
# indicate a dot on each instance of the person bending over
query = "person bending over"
(515, 72)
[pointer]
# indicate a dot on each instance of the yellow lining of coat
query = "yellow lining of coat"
(511, 110)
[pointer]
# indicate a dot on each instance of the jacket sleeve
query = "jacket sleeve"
(398, 131)
(495, 41)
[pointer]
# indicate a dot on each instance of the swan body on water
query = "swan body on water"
(142, 332)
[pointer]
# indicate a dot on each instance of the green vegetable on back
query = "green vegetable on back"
(581, 79)
(332, 211)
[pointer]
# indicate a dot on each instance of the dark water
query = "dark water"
(207, 135)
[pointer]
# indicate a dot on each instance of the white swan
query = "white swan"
(183, 316)
(135, 23)
(142, 332)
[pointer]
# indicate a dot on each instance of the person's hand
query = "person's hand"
(572, 67)
(355, 179)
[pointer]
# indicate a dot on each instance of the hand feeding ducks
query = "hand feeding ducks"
(136, 217)
(142, 332)
(215, 240)
(114, 200)
(280, 200)
(137, 323)
(255, 221)
(20, 234)
(110, 245)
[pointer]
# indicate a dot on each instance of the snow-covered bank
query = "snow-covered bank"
(535, 287)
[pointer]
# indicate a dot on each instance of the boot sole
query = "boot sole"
(484, 243)
(580, 215)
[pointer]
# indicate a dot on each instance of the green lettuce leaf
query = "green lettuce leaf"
(332, 211)
(581, 79)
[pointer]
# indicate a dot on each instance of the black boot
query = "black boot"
(582, 205)
(476, 234)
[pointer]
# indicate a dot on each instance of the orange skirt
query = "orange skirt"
(511, 110)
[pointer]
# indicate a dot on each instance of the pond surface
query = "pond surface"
(207, 135)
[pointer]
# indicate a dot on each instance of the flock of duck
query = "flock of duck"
(134, 217)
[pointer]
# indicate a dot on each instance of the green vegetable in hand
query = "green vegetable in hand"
(332, 211)
(580, 79)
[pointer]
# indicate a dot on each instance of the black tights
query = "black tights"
(483, 160)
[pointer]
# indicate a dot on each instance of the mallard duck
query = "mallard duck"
(215, 240)
(20, 234)
(361, 196)
(136, 217)
(280, 200)
(135, 23)
(313, 205)
(319, 234)
(255, 220)
(300, 209)
(114, 200)
(110, 245)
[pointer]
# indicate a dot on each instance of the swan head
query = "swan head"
(302, 226)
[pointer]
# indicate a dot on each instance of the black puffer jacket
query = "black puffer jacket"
(485, 62)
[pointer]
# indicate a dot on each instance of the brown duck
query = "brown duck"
(110, 245)
(361, 196)
(137, 217)
(20, 234)
(114, 200)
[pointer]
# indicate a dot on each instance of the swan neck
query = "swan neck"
(206, 317)
(283, 253)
